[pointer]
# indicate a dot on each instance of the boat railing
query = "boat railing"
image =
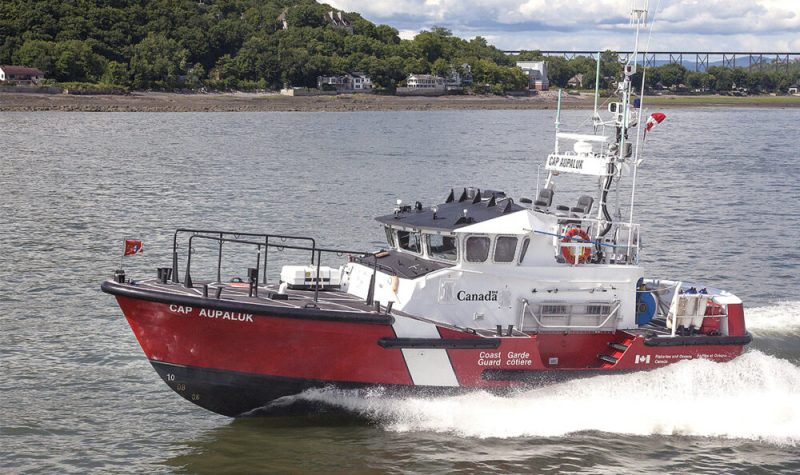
(270, 241)
(283, 238)
(570, 313)
(620, 245)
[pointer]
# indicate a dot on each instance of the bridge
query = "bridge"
(701, 60)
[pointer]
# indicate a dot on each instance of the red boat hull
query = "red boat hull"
(234, 362)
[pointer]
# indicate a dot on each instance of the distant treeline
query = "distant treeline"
(760, 77)
(242, 44)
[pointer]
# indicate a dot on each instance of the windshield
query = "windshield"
(442, 247)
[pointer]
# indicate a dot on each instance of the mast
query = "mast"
(639, 18)
(607, 156)
(596, 117)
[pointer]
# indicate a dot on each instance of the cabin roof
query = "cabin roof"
(21, 70)
(479, 205)
(518, 222)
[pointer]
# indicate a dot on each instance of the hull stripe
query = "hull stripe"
(699, 340)
(427, 366)
(430, 367)
(436, 343)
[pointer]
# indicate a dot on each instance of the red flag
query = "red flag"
(132, 246)
(654, 119)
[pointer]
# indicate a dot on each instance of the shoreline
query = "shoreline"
(272, 102)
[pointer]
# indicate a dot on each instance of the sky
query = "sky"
(575, 25)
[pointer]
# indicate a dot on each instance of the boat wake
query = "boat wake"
(782, 318)
(753, 397)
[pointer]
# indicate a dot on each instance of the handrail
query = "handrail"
(314, 250)
(631, 230)
(221, 234)
(525, 307)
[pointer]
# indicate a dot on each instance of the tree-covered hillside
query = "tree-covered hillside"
(226, 44)
(242, 44)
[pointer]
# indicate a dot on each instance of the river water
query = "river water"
(718, 203)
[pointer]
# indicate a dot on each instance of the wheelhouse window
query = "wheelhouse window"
(442, 247)
(522, 252)
(504, 249)
(409, 241)
(389, 236)
(478, 248)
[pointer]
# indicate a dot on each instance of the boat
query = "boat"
(478, 292)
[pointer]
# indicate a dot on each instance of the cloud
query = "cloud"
(720, 25)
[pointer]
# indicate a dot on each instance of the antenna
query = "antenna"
(639, 12)
(596, 117)
(640, 15)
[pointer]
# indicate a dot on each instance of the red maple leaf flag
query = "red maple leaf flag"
(654, 119)
(133, 246)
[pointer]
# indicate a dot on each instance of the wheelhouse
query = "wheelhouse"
(434, 233)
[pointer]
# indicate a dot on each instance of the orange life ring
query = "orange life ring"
(568, 252)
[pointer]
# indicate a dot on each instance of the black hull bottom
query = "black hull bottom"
(235, 394)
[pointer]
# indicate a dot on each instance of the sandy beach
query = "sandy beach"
(261, 102)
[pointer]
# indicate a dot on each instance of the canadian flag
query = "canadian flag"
(652, 121)
(132, 246)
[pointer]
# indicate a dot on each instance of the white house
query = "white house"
(537, 74)
(425, 81)
(361, 82)
(459, 77)
(20, 74)
(576, 81)
(338, 20)
(353, 82)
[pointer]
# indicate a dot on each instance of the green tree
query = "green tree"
(672, 74)
(525, 55)
(195, 75)
(157, 61)
(587, 66)
(387, 34)
(698, 80)
(739, 77)
(37, 54)
(225, 73)
(115, 73)
(292, 62)
(431, 45)
(721, 78)
(305, 16)
(387, 72)
(610, 68)
(440, 67)
(559, 71)
(258, 59)
(74, 60)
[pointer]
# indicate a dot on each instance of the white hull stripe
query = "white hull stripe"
(427, 367)
(430, 367)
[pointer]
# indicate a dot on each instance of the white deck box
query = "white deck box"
(304, 277)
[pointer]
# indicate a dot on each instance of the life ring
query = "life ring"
(567, 251)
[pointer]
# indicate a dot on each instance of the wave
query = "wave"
(781, 318)
(752, 397)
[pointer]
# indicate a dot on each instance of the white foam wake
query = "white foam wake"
(752, 397)
(783, 318)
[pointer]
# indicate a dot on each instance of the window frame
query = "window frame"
(523, 250)
(488, 250)
(429, 253)
(420, 252)
(494, 248)
(391, 237)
